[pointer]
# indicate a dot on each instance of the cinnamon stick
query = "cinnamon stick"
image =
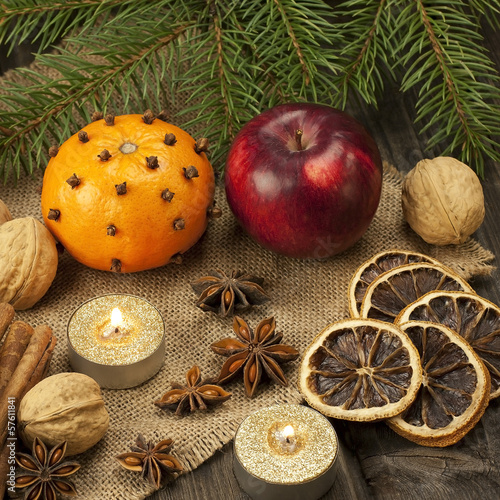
(6, 317)
(12, 350)
(42, 369)
(39, 343)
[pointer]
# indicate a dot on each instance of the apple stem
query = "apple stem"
(298, 139)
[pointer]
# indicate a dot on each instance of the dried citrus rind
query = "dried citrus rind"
(455, 387)
(373, 268)
(360, 369)
(393, 290)
(473, 317)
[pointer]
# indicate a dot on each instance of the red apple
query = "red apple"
(304, 180)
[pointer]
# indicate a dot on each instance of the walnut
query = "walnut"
(28, 261)
(443, 201)
(4, 213)
(64, 407)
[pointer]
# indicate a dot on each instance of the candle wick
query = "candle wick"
(117, 329)
(287, 439)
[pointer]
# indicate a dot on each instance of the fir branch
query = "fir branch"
(220, 79)
(46, 21)
(235, 58)
(437, 48)
(224, 84)
(297, 47)
(457, 81)
(484, 9)
(366, 26)
(295, 42)
(80, 81)
(269, 84)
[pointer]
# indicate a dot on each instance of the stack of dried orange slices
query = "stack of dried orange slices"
(421, 351)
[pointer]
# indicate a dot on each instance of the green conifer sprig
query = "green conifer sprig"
(447, 60)
(367, 49)
(41, 114)
(235, 58)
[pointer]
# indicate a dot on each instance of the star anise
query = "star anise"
(225, 294)
(44, 474)
(254, 353)
(153, 461)
(195, 395)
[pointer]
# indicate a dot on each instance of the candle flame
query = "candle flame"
(116, 317)
(288, 432)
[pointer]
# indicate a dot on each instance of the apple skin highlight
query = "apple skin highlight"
(304, 180)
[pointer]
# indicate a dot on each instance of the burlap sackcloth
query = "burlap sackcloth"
(306, 296)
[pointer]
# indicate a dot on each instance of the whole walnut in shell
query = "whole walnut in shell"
(64, 407)
(443, 200)
(5, 214)
(28, 261)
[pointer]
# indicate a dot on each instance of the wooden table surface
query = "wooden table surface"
(375, 462)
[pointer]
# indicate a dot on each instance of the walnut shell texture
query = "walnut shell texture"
(64, 407)
(5, 214)
(28, 261)
(443, 201)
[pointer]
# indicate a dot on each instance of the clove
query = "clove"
(214, 212)
(148, 117)
(83, 136)
(176, 259)
(116, 266)
(109, 119)
(73, 181)
(152, 162)
(190, 172)
(105, 155)
(121, 188)
(53, 150)
(167, 195)
(163, 115)
(179, 224)
(201, 145)
(54, 214)
(111, 230)
(170, 139)
(96, 115)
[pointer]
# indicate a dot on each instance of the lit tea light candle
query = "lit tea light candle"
(116, 329)
(283, 438)
(285, 451)
(117, 339)
(287, 439)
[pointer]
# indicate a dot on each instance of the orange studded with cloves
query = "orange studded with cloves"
(128, 193)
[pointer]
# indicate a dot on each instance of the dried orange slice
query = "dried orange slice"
(473, 317)
(360, 369)
(393, 290)
(455, 387)
(373, 268)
